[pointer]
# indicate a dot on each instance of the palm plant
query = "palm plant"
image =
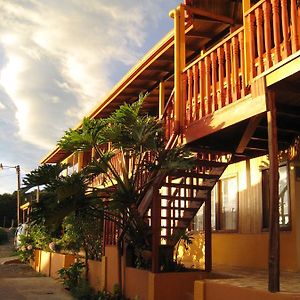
(137, 142)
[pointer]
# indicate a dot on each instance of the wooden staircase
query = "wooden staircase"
(174, 203)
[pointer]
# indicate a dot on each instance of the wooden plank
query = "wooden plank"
(251, 127)
(284, 71)
(274, 243)
(227, 116)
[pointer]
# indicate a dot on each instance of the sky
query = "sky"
(58, 59)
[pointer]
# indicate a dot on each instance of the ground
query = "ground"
(20, 282)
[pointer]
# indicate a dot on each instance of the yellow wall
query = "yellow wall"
(248, 246)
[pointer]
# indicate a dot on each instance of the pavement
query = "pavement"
(19, 281)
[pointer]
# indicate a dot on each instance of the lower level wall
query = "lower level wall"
(251, 250)
(245, 250)
(209, 290)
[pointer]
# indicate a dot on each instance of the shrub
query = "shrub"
(3, 236)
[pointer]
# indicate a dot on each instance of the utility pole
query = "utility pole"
(18, 187)
(18, 192)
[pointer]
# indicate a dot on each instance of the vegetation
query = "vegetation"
(137, 142)
(3, 236)
(8, 209)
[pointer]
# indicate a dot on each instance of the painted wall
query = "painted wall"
(248, 246)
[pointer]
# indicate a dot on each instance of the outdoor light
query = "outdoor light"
(18, 186)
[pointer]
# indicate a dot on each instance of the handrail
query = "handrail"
(213, 48)
(167, 104)
(254, 7)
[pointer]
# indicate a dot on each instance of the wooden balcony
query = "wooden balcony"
(227, 84)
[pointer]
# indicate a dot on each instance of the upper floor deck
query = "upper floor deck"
(212, 71)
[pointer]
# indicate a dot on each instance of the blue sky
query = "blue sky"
(58, 59)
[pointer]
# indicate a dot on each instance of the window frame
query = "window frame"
(281, 228)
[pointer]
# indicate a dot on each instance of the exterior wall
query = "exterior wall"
(136, 283)
(248, 246)
(96, 276)
(111, 255)
(209, 290)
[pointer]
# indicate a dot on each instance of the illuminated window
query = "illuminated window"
(284, 197)
(228, 204)
(224, 207)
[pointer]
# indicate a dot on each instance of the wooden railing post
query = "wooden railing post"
(267, 33)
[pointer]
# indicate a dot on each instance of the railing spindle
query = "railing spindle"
(235, 57)
(208, 84)
(259, 37)
(228, 72)
(220, 53)
(185, 96)
(196, 92)
(295, 27)
(242, 62)
(202, 88)
(213, 58)
(190, 95)
(285, 29)
(252, 45)
(276, 30)
(267, 32)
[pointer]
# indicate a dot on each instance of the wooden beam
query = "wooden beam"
(202, 13)
(274, 243)
(251, 127)
(200, 35)
(225, 117)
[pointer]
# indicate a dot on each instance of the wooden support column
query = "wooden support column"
(155, 224)
(246, 6)
(274, 243)
(179, 63)
(207, 228)
(161, 98)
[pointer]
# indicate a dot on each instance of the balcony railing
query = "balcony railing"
(216, 79)
(224, 74)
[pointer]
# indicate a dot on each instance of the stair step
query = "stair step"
(191, 199)
(210, 163)
(187, 186)
(194, 175)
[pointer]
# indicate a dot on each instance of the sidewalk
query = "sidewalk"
(20, 282)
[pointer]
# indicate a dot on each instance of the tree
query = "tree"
(131, 159)
(137, 141)
(8, 209)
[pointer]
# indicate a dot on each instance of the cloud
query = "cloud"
(59, 58)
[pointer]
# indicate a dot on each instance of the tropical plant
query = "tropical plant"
(137, 142)
(71, 275)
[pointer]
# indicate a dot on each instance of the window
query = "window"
(284, 197)
(224, 206)
(228, 204)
